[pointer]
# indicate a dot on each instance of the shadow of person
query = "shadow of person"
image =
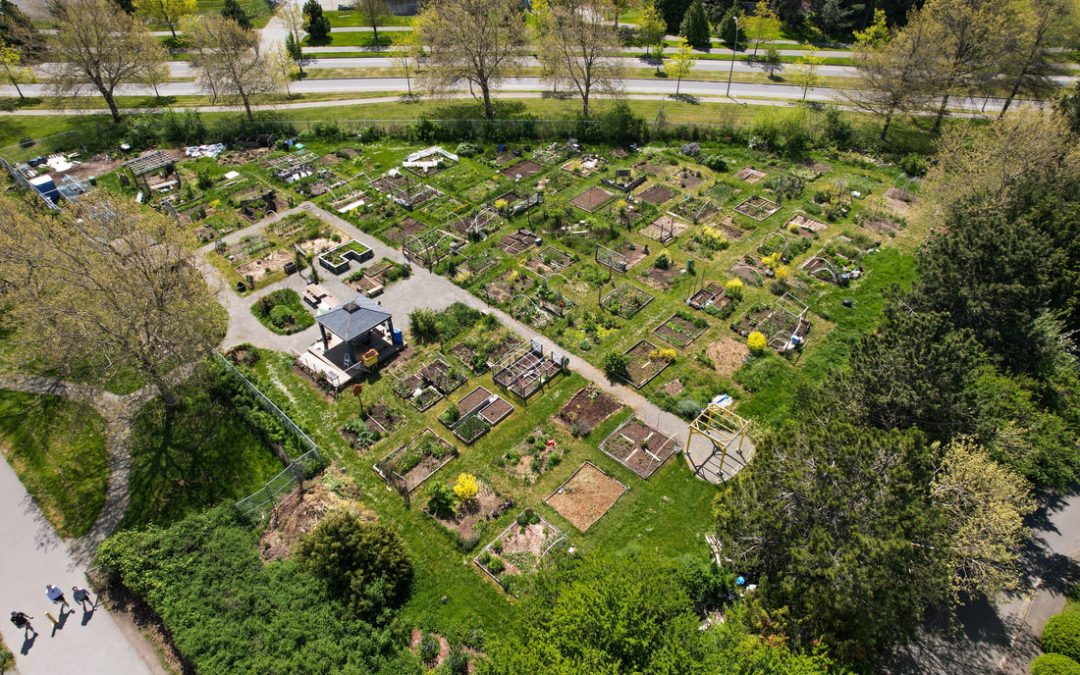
(28, 644)
(60, 621)
(88, 614)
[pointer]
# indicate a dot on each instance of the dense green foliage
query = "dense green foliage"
(233, 10)
(317, 24)
(1061, 635)
(1054, 664)
(695, 26)
(228, 612)
(632, 614)
(64, 463)
(363, 563)
(282, 312)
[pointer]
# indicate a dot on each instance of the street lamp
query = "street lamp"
(734, 46)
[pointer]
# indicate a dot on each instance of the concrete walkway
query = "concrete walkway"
(32, 556)
(426, 289)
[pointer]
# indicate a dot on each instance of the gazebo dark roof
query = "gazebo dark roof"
(354, 319)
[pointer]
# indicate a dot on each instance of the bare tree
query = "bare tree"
(374, 13)
(471, 41)
(99, 44)
(156, 68)
(897, 76)
(1028, 64)
(408, 57)
(104, 288)
(168, 12)
(292, 16)
(584, 45)
(231, 61)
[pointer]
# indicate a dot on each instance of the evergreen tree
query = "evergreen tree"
(673, 12)
(837, 17)
(730, 27)
(233, 10)
(318, 26)
(695, 26)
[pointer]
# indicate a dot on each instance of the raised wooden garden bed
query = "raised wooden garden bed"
(586, 496)
(681, 330)
(337, 260)
(407, 467)
(639, 447)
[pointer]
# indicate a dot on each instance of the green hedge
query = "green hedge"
(1054, 664)
(1062, 635)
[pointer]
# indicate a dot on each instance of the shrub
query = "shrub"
(281, 316)
(914, 165)
(687, 408)
(757, 342)
(423, 325)
(1062, 635)
(663, 261)
(616, 365)
(429, 649)
(440, 501)
(496, 566)
(457, 663)
(364, 562)
(715, 162)
(466, 487)
(1054, 664)
(467, 150)
(734, 288)
(691, 149)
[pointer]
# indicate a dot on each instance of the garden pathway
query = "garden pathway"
(32, 556)
(427, 289)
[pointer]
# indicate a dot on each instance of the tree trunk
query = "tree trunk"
(172, 29)
(1016, 87)
(247, 107)
(489, 109)
(14, 81)
(885, 127)
(110, 100)
(375, 29)
(678, 86)
(941, 112)
(157, 94)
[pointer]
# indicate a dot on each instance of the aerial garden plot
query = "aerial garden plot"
(545, 442)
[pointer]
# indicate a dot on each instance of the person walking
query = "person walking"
(21, 620)
(57, 596)
(82, 596)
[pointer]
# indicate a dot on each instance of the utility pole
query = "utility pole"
(734, 46)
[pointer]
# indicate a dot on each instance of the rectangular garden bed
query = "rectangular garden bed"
(407, 467)
(549, 261)
(536, 454)
(336, 260)
(522, 170)
(757, 208)
(680, 330)
(519, 549)
(442, 376)
(471, 427)
(656, 194)
(586, 496)
(626, 301)
(644, 365)
(519, 241)
(525, 372)
(587, 409)
(592, 199)
(639, 447)
(664, 229)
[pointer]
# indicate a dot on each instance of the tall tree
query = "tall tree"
(231, 62)
(651, 29)
(673, 12)
(408, 56)
(374, 13)
(167, 12)
(17, 30)
(971, 45)
(681, 63)
(292, 16)
(837, 17)
(695, 26)
(586, 47)
(897, 75)
(471, 41)
(99, 44)
(1029, 64)
(11, 60)
(618, 7)
(104, 288)
(761, 25)
(156, 68)
(806, 66)
(876, 33)
(233, 10)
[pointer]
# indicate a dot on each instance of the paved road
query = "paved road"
(30, 557)
(1001, 638)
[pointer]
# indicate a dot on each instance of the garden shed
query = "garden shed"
(354, 338)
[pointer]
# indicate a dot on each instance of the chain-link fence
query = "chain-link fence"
(259, 502)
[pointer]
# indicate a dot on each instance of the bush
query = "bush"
(687, 408)
(616, 365)
(715, 162)
(466, 486)
(914, 165)
(457, 663)
(496, 566)
(429, 649)
(757, 342)
(1054, 664)
(364, 562)
(423, 325)
(282, 316)
(467, 150)
(440, 501)
(1062, 635)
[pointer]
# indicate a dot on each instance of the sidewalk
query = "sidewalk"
(32, 556)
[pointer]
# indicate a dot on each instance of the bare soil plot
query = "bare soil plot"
(486, 506)
(644, 363)
(517, 242)
(413, 463)
(694, 209)
(383, 418)
(879, 223)
(621, 258)
(656, 194)
(727, 355)
(757, 208)
(592, 199)
(750, 270)
(639, 447)
(650, 168)
(802, 222)
(680, 330)
(751, 175)
(673, 388)
(663, 278)
(588, 408)
(689, 179)
(296, 515)
(399, 232)
(664, 229)
(586, 496)
(525, 372)
(549, 261)
(524, 170)
(507, 286)
(496, 411)
(473, 401)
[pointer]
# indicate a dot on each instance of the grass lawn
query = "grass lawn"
(283, 312)
(350, 19)
(358, 39)
(201, 454)
(59, 451)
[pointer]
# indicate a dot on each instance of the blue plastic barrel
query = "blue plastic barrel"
(398, 337)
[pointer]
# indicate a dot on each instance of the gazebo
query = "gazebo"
(354, 338)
